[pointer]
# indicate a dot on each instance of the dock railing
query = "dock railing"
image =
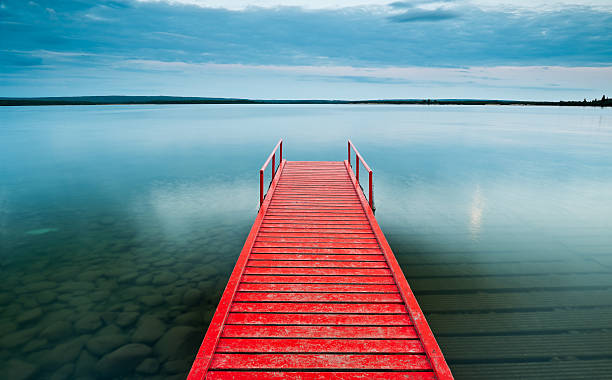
(271, 157)
(359, 158)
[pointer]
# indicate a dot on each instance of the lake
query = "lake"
(120, 225)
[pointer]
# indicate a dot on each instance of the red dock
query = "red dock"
(317, 292)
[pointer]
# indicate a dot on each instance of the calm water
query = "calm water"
(119, 226)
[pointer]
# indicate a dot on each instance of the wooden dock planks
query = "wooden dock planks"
(317, 293)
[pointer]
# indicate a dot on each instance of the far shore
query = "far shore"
(143, 100)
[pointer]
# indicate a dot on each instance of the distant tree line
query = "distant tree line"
(112, 100)
(603, 102)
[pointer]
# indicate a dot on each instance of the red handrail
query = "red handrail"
(358, 156)
(272, 157)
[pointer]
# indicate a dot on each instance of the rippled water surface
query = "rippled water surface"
(119, 226)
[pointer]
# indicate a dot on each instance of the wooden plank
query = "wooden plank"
(316, 256)
(315, 264)
(319, 271)
(306, 208)
(319, 319)
(320, 225)
(344, 251)
(317, 297)
(321, 231)
(314, 375)
(318, 199)
(314, 218)
(318, 222)
(308, 235)
(293, 345)
(328, 204)
(274, 244)
(320, 361)
(326, 308)
(330, 332)
(325, 288)
(299, 279)
(302, 237)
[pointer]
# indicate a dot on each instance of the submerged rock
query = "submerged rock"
(109, 317)
(46, 297)
(90, 322)
(144, 279)
(178, 342)
(103, 344)
(7, 326)
(34, 345)
(152, 300)
(63, 353)
(29, 302)
(36, 286)
(30, 315)
(191, 297)
(165, 278)
(5, 298)
(19, 370)
(149, 329)
(85, 364)
(177, 366)
(148, 366)
(57, 330)
(127, 278)
(122, 361)
(17, 338)
(65, 372)
(127, 318)
(193, 318)
(164, 262)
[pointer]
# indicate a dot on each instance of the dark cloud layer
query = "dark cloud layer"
(424, 15)
(46, 34)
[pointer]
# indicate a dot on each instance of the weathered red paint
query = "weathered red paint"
(272, 157)
(358, 159)
(316, 292)
(317, 375)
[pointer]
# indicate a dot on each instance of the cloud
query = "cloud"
(414, 3)
(15, 60)
(339, 4)
(424, 15)
(78, 41)
(468, 36)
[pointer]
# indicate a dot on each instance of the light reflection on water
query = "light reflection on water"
(119, 227)
(476, 213)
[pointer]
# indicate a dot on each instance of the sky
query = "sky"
(300, 49)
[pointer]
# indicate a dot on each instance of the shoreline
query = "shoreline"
(161, 100)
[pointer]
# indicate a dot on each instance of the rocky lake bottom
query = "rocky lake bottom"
(121, 307)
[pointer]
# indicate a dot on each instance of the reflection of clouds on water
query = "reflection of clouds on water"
(476, 209)
(3, 210)
(182, 208)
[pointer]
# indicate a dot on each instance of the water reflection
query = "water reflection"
(476, 209)
(136, 216)
(179, 208)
